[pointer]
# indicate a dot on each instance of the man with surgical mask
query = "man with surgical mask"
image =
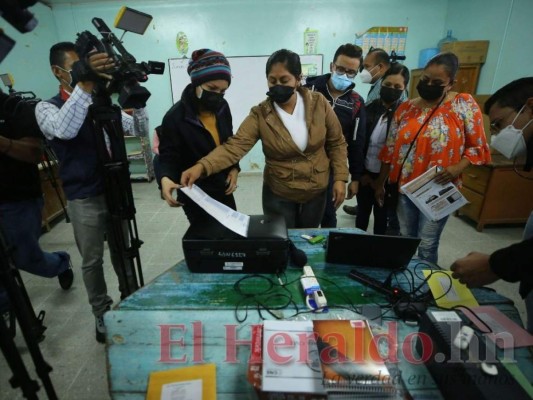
(510, 110)
(375, 64)
(69, 129)
(337, 86)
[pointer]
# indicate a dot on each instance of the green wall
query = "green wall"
(259, 27)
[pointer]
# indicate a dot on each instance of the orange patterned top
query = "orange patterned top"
(454, 131)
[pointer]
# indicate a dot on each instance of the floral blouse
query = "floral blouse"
(454, 131)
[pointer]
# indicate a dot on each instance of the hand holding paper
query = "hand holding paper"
(191, 175)
(231, 219)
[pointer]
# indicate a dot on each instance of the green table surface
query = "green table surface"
(207, 313)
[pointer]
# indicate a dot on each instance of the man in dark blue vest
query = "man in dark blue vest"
(63, 120)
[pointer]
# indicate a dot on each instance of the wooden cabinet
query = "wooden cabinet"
(52, 208)
(497, 194)
(466, 79)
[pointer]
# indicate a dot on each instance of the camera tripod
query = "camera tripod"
(107, 121)
(31, 327)
(49, 159)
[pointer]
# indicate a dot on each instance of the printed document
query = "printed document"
(231, 219)
(434, 200)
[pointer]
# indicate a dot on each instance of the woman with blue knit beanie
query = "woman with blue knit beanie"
(198, 123)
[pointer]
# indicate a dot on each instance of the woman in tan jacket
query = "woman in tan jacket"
(302, 139)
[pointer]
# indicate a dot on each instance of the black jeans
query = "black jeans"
(329, 219)
(297, 215)
(366, 203)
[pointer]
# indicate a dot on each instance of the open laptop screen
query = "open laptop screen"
(364, 250)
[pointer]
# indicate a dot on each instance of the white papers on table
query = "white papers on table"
(186, 390)
(300, 372)
(231, 219)
(434, 200)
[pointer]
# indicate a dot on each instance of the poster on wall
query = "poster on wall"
(387, 38)
(310, 41)
(182, 44)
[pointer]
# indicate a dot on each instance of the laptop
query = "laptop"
(364, 250)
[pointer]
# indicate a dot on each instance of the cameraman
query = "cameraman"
(21, 198)
(65, 122)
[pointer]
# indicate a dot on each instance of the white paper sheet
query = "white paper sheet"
(231, 219)
(302, 372)
(434, 200)
(186, 390)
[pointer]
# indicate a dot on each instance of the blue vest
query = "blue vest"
(80, 169)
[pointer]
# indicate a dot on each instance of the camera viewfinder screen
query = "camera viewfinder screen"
(132, 20)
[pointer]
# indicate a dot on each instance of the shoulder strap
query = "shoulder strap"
(418, 133)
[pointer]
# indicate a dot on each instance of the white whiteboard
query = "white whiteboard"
(248, 88)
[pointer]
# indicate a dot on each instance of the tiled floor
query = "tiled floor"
(70, 348)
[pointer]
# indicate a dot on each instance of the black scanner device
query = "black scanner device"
(212, 248)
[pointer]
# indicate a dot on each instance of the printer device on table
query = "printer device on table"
(211, 247)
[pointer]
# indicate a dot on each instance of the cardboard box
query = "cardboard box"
(468, 52)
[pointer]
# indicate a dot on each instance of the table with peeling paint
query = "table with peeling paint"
(182, 318)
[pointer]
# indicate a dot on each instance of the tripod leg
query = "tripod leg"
(49, 155)
(21, 304)
(20, 378)
(118, 193)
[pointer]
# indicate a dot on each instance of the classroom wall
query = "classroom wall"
(506, 23)
(259, 27)
(254, 27)
(28, 61)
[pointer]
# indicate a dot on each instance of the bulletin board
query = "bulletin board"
(248, 88)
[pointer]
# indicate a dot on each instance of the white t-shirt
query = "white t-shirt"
(377, 140)
(295, 122)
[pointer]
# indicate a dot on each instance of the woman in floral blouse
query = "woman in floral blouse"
(451, 138)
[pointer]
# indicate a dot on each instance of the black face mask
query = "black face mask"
(211, 101)
(390, 95)
(428, 92)
(280, 93)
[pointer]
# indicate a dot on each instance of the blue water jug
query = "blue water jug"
(425, 55)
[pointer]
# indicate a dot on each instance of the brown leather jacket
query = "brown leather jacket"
(290, 173)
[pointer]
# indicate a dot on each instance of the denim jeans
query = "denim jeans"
(20, 222)
(413, 223)
(91, 222)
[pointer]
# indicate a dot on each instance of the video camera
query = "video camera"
(11, 103)
(127, 72)
(15, 12)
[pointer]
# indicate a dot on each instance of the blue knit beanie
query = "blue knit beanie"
(208, 65)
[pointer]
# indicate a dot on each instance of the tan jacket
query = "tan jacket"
(290, 173)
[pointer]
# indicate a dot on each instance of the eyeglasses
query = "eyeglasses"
(350, 73)
(495, 125)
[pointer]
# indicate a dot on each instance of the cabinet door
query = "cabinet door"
(466, 79)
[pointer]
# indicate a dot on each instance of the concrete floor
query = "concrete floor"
(79, 362)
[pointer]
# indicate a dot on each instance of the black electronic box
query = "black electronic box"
(212, 248)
